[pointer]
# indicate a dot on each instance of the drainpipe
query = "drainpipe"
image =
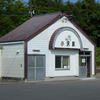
(1, 62)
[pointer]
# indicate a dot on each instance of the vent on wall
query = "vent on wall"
(86, 48)
(36, 50)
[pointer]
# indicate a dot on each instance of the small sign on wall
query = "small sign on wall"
(68, 42)
(66, 67)
(83, 60)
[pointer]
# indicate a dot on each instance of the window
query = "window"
(62, 62)
(84, 53)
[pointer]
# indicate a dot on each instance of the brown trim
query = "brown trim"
(25, 60)
(46, 26)
(68, 48)
(83, 32)
(45, 67)
(91, 63)
(52, 38)
(95, 58)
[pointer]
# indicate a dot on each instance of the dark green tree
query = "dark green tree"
(84, 14)
(45, 6)
(12, 8)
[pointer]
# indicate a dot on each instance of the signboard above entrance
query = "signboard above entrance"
(67, 39)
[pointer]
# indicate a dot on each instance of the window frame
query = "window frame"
(62, 68)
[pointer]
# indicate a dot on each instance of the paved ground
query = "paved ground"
(57, 90)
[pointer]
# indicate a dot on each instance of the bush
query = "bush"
(98, 57)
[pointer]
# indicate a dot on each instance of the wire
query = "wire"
(84, 17)
(67, 15)
(15, 15)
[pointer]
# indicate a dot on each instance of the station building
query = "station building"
(45, 47)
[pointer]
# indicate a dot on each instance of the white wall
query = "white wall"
(11, 60)
(41, 42)
(61, 38)
(73, 54)
(85, 42)
(42, 45)
(0, 62)
(37, 45)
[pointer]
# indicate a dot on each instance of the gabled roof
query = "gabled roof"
(35, 25)
(30, 28)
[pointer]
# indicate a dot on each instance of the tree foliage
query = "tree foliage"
(11, 7)
(98, 57)
(87, 16)
(86, 13)
(46, 6)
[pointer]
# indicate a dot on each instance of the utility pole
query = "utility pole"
(31, 12)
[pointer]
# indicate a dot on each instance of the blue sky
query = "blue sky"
(73, 1)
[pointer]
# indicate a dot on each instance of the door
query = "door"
(36, 66)
(82, 67)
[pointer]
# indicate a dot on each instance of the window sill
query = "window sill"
(61, 69)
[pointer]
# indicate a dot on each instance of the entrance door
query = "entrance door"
(36, 67)
(84, 66)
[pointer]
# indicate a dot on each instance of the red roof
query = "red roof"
(30, 28)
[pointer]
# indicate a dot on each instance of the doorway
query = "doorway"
(36, 65)
(84, 66)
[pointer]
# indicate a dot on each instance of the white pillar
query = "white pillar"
(51, 55)
(77, 62)
(0, 62)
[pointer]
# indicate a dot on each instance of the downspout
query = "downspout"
(25, 60)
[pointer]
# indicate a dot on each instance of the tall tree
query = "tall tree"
(46, 6)
(84, 13)
(11, 8)
(89, 11)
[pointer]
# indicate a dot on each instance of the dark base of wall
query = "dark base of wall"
(10, 79)
(61, 78)
(22, 80)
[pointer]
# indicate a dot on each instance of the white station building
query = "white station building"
(47, 47)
